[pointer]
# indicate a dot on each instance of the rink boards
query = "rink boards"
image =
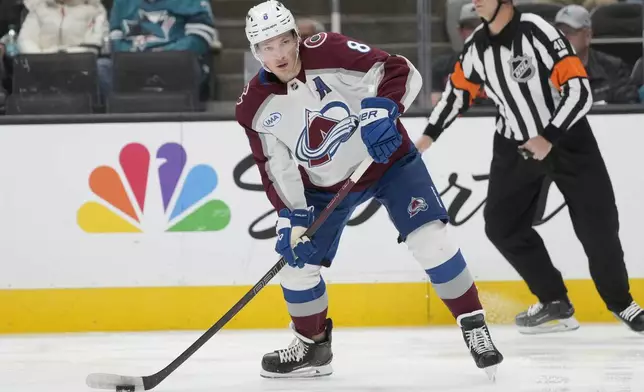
(152, 226)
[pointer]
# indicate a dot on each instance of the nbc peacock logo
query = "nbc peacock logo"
(182, 198)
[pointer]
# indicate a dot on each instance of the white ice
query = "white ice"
(596, 358)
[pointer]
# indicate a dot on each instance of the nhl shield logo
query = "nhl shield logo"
(416, 205)
(522, 68)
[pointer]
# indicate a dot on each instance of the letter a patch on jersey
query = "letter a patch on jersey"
(321, 87)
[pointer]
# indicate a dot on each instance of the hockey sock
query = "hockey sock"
(454, 284)
(441, 258)
(307, 307)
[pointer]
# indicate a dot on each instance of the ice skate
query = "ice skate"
(303, 358)
(633, 317)
(478, 340)
(555, 316)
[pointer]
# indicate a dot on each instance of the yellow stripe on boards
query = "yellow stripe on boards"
(503, 300)
(197, 308)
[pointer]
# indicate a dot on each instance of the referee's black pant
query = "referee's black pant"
(576, 166)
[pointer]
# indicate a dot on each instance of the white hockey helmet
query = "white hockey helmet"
(268, 20)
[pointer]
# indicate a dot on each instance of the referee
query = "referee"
(542, 95)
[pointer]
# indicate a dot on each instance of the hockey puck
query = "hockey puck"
(125, 388)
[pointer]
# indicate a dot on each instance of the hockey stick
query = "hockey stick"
(130, 384)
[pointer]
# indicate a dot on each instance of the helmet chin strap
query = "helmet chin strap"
(496, 12)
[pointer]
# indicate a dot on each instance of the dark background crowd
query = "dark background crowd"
(151, 56)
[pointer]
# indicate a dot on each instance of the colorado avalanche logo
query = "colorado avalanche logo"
(325, 131)
(416, 205)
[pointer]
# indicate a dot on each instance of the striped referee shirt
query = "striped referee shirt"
(529, 70)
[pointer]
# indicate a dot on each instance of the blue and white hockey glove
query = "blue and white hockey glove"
(378, 127)
(295, 248)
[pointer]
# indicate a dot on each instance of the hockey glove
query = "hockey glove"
(297, 250)
(378, 127)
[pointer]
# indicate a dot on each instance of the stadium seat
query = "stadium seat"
(40, 104)
(141, 79)
(54, 83)
(617, 30)
(150, 102)
(547, 11)
(619, 20)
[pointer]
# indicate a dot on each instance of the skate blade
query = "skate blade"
(310, 372)
(491, 372)
(626, 325)
(631, 329)
(562, 325)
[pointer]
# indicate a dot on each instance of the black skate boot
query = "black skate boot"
(303, 358)
(555, 316)
(478, 340)
(633, 317)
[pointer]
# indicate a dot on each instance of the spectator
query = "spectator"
(443, 65)
(3, 77)
(10, 11)
(609, 76)
(309, 27)
(637, 77)
(71, 26)
(150, 25)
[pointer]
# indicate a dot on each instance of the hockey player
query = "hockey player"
(314, 111)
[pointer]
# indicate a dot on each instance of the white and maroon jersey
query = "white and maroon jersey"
(305, 134)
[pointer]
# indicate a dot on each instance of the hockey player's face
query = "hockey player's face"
(280, 55)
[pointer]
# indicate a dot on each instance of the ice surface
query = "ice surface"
(602, 358)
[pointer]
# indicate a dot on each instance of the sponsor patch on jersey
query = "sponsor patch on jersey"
(522, 68)
(416, 205)
(315, 40)
(272, 119)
